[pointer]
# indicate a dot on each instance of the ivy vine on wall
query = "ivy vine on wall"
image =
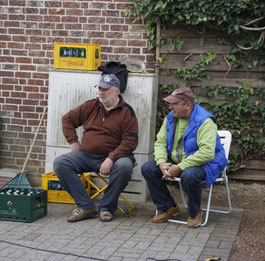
(239, 109)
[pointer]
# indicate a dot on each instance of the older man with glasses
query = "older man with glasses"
(110, 136)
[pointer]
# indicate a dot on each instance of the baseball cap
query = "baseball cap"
(180, 94)
(108, 80)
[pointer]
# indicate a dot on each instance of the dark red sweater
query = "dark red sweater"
(113, 134)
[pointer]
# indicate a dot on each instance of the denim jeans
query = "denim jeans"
(67, 166)
(191, 181)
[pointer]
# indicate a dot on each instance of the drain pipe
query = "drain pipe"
(158, 32)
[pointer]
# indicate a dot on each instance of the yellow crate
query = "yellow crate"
(60, 196)
(77, 56)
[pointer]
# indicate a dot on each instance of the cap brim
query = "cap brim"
(104, 86)
(172, 99)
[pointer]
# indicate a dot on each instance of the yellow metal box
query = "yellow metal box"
(55, 191)
(77, 56)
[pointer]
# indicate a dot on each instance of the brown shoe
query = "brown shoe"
(196, 221)
(105, 216)
(166, 215)
(82, 214)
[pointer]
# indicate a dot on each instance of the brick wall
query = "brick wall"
(28, 30)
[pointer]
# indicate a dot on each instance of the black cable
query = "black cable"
(51, 251)
(151, 258)
(70, 254)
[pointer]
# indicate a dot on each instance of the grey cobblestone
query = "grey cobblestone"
(131, 238)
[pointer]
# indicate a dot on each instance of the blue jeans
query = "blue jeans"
(191, 181)
(67, 166)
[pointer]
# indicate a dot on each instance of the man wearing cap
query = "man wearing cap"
(109, 138)
(188, 146)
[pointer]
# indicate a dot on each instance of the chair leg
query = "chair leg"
(101, 191)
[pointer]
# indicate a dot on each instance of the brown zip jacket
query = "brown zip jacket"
(113, 134)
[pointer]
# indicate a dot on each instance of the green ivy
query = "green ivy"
(225, 16)
(235, 111)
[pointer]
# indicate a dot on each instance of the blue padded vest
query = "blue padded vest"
(198, 116)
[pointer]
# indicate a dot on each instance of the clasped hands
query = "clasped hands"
(170, 171)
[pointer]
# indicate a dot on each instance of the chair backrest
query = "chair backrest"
(226, 139)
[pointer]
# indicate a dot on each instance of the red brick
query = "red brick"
(41, 61)
(19, 38)
(4, 2)
(59, 26)
(7, 74)
(21, 81)
(23, 60)
(124, 6)
(3, 17)
(6, 59)
(15, 45)
(27, 67)
(6, 87)
(53, 4)
(36, 53)
(11, 24)
(70, 19)
(97, 5)
(34, 32)
(23, 75)
(10, 80)
(123, 28)
(8, 107)
(35, 82)
(107, 49)
(3, 31)
(118, 42)
(5, 38)
(43, 12)
(105, 27)
(16, 31)
(17, 17)
(30, 102)
(38, 96)
(137, 43)
(30, 10)
(9, 66)
(33, 46)
(34, 18)
(73, 26)
(13, 101)
(116, 35)
(47, 25)
(19, 52)
(100, 41)
(37, 39)
(111, 13)
(95, 34)
(56, 11)
(6, 94)
(40, 75)
(26, 108)
(92, 12)
(71, 5)
(83, 20)
(114, 20)
(18, 95)
(52, 19)
(19, 122)
(59, 33)
(122, 50)
(6, 52)
(97, 20)
(29, 24)
(48, 47)
(17, 3)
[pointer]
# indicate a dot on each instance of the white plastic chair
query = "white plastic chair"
(226, 139)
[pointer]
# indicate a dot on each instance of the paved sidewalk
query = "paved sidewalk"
(125, 238)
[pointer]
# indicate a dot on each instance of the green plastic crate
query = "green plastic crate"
(24, 208)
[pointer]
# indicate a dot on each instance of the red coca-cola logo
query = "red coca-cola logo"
(74, 63)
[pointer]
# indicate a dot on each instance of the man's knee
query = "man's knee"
(124, 167)
(148, 168)
(58, 163)
(191, 176)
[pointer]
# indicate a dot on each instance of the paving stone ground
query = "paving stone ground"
(124, 239)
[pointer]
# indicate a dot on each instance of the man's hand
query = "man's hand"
(106, 166)
(174, 170)
(75, 146)
(169, 171)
